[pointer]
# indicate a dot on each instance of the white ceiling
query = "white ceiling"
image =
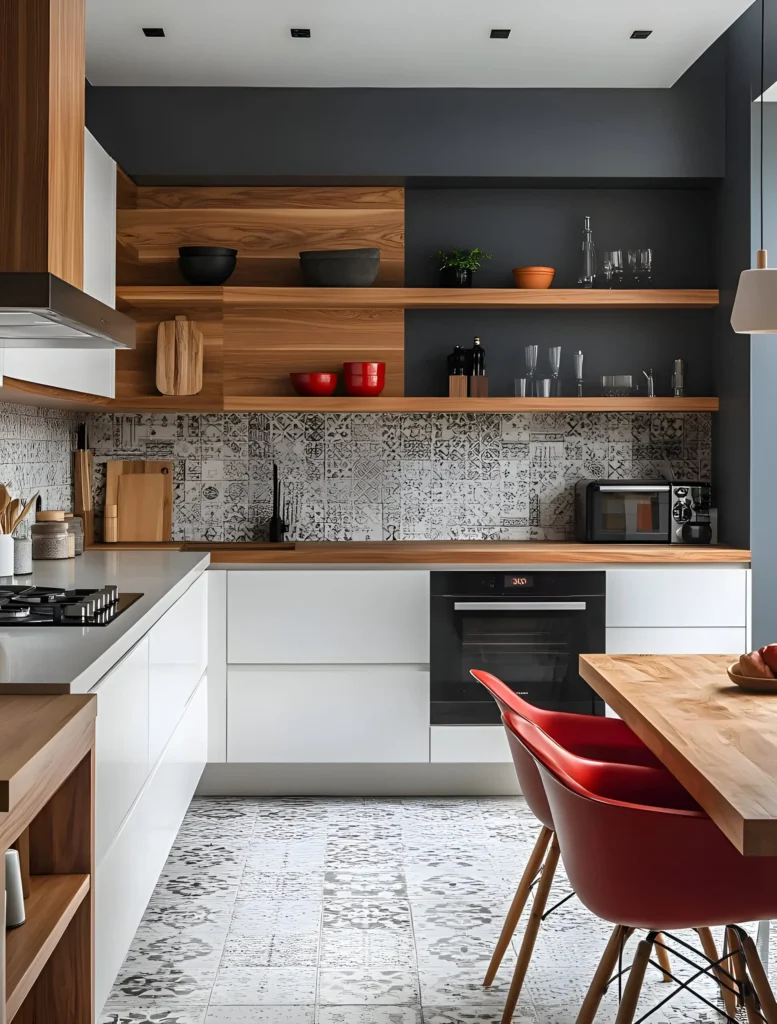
(423, 43)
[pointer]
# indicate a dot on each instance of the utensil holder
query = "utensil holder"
(22, 556)
(478, 387)
(6, 554)
(457, 386)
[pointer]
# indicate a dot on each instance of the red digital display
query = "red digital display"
(518, 582)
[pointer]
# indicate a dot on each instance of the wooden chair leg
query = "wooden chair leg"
(635, 978)
(740, 973)
(760, 982)
(519, 902)
(532, 927)
(663, 959)
(726, 983)
(604, 972)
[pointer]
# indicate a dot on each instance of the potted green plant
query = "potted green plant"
(458, 265)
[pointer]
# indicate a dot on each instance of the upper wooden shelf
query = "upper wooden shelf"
(418, 298)
(237, 403)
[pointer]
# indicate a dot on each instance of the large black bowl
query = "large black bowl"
(340, 268)
(206, 264)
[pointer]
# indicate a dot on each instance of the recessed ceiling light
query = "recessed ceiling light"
(641, 33)
(153, 32)
(500, 33)
(300, 33)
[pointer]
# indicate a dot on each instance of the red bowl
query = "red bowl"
(364, 380)
(310, 385)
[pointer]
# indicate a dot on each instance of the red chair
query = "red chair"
(605, 739)
(640, 863)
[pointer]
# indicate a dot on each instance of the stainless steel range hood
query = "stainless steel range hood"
(41, 310)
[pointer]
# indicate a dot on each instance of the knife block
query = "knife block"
(478, 387)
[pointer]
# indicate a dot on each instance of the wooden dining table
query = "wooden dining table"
(718, 740)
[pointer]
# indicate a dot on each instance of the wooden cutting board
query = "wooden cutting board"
(116, 470)
(141, 506)
(179, 355)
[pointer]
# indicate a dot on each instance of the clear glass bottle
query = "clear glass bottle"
(588, 275)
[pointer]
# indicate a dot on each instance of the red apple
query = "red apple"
(769, 655)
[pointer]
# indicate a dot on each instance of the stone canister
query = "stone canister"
(50, 537)
(22, 556)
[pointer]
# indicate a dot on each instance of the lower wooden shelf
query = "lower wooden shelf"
(50, 908)
(456, 405)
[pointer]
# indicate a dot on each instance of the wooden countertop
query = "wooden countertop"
(718, 740)
(451, 553)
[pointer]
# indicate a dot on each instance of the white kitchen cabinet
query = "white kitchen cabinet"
(121, 743)
(217, 667)
(674, 598)
(665, 640)
(127, 874)
(289, 617)
(178, 654)
(469, 744)
(90, 370)
(327, 714)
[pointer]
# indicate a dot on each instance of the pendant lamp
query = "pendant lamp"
(755, 304)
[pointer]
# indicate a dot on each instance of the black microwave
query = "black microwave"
(644, 512)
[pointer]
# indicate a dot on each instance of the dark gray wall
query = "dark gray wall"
(245, 135)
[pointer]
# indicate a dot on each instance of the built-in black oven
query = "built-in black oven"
(527, 628)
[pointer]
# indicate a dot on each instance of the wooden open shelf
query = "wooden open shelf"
(455, 405)
(194, 298)
(50, 908)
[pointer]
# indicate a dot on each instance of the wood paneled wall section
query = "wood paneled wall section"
(268, 227)
(262, 346)
(42, 136)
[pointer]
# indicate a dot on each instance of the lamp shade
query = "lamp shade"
(755, 304)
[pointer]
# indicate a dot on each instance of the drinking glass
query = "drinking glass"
(640, 266)
(543, 387)
(520, 387)
(612, 267)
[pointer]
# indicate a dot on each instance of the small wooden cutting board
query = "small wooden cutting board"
(142, 507)
(117, 470)
(179, 356)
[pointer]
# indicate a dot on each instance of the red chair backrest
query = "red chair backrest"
(637, 849)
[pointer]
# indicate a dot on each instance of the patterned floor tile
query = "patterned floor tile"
(162, 983)
(464, 987)
(369, 1015)
(154, 1015)
(261, 1015)
(193, 952)
(365, 885)
(374, 987)
(267, 855)
(471, 1015)
(393, 915)
(268, 986)
(363, 948)
(265, 917)
(271, 951)
(281, 885)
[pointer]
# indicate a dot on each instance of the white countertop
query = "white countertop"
(72, 659)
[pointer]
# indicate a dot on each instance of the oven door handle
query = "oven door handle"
(519, 606)
(633, 488)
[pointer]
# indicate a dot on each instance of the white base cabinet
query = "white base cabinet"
(469, 744)
(127, 874)
(327, 714)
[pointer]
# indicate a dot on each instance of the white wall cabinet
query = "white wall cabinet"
(327, 714)
(90, 370)
(121, 743)
(178, 653)
(282, 617)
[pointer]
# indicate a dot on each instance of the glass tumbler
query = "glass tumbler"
(612, 268)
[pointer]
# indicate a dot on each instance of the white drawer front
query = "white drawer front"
(677, 597)
(328, 617)
(121, 759)
(469, 744)
(178, 660)
(337, 715)
(630, 640)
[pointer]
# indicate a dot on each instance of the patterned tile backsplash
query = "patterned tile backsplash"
(403, 477)
(36, 448)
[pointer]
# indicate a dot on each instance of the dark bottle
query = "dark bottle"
(457, 362)
(588, 276)
(477, 366)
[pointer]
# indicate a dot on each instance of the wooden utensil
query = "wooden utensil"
(5, 501)
(142, 507)
(179, 357)
(25, 511)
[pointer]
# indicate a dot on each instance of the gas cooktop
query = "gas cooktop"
(49, 606)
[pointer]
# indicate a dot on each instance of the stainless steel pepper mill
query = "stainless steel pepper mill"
(578, 363)
(678, 378)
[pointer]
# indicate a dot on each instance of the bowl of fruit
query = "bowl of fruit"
(757, 670)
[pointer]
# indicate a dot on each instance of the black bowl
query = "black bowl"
(206, 264)
(340, 268)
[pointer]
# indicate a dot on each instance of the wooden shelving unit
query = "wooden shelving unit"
(227, 298)
(456, 405)
(50, 907)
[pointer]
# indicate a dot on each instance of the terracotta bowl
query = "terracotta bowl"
(533, 277)
(319, 385)
(751, 682)
(364, 380)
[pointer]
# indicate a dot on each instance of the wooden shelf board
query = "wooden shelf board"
(191, 297)
(454, 405)
(50, 908)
